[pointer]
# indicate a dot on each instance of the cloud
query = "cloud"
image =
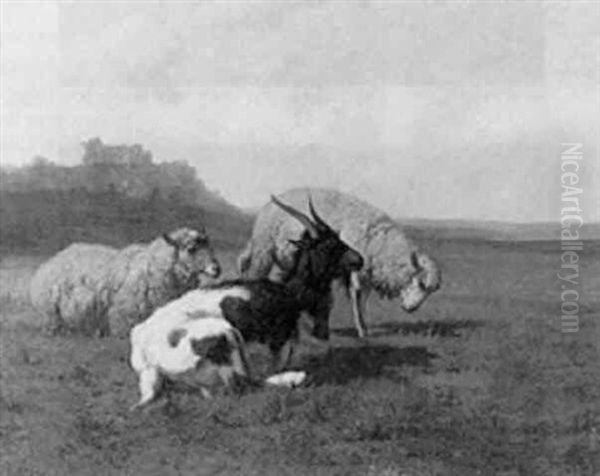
(300, 43)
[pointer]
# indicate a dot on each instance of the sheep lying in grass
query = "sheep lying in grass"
(96, 289)
(268, 312)
(394, 266)
(173, 343)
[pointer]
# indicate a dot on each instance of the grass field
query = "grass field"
(480, 381)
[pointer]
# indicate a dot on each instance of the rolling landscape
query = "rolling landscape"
(479, 381)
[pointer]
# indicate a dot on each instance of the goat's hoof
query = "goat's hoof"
(139, 406)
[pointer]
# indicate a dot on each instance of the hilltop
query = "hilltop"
(116, 195)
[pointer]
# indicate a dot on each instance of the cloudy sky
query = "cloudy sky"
(428, 109)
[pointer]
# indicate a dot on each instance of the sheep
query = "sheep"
(266, 311)
(96, 289)
(394, 266)
(174, 343)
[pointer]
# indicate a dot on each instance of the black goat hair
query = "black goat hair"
(270, 316)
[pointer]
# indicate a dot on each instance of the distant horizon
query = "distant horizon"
(414, 218)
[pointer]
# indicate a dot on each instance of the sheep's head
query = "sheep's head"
(397, 269)
(424, 279)
(321, 257)
(194, 254)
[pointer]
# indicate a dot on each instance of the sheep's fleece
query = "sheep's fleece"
(96, 289)
(394, 265)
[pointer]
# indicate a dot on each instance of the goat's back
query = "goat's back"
(351, 217)
(345, 213)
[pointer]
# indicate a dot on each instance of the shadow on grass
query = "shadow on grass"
(343, 364)
(445, 328)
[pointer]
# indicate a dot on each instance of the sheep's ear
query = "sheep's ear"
(414, 260)
(169, 240)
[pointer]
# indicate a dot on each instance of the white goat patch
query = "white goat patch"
(170, 343)
(287, 379)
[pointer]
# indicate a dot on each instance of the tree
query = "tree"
(40, 162)
(92, 151)
(96, 152)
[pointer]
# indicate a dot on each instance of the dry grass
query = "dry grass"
(479, 381)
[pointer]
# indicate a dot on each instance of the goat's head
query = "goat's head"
(322, 252)
(321, 257)
(195, 255)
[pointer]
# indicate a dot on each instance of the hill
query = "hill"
(117, 195)
(126, 169)
(47, 221)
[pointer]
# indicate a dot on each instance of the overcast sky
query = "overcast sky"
(427, 109)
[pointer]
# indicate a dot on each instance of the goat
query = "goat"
(394, 265)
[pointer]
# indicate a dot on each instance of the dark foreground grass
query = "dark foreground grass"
(480, 381)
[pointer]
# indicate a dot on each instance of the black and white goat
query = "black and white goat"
(266, 311)
(178, 337)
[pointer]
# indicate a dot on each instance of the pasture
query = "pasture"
(479, 381)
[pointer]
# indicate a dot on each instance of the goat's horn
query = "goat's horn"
(298, 215)
(319, 221)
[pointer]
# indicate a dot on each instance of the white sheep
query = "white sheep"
(98, 289)
(394, 266)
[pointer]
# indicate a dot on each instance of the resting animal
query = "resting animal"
(96, 289)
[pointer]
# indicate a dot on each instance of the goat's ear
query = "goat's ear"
(298, 244)
(169, 240)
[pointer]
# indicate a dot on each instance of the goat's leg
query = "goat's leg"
(233, 380)
(320, 316)
(226, 374)
(240, 364)
(238, 356)
(206, 393)
(150, 382)
(281, 356)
